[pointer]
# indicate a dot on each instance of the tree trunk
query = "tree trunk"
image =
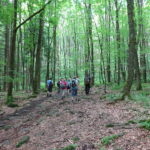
(6, 55)
(107, 15)
(37, 75)
(54, 48)
(141, 40)
(118, 40)
(132, 51)
(89, 49)
(12, 56)
(48, 49)
(91, 45)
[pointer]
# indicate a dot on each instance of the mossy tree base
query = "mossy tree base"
(10, 102)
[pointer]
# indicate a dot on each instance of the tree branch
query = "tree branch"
(34, 14)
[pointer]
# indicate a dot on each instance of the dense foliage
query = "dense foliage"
(67, 38)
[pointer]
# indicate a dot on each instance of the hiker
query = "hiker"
(77, 80)
(68, 86)
(58, 86)
(87, 84)
(49, 87)
(63, 87)
(74, 88)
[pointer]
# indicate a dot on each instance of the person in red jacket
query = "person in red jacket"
(63, 87)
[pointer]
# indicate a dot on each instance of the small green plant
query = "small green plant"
(109, 139)
(24, 140)
(102, 148)
(110, 125)
(131, 122)
(70, 147)
(75, 139)
(142, 123)
(145, 124)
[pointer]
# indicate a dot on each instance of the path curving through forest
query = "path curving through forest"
(52, 123)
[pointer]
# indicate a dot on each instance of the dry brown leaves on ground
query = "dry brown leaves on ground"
(52, 123)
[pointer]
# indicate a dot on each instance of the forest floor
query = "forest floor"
(90, 123)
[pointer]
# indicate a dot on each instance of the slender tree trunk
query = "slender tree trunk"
(89, 49)
(102, 65)
(48, 56)
(37, 76)
(54, 48)
(137, 71)
(108, 41)
(91, 44)
(6, 54)
(141, 40)
(76, 53)
(118, 40)
(18, 65)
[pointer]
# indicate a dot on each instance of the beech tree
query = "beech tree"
(133, 65)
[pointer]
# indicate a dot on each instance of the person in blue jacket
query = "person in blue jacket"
(49, 87)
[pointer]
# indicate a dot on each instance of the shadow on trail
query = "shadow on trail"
(23, 111)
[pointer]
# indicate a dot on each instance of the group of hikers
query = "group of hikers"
(69, 87)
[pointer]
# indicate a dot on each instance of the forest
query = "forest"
(107, 40)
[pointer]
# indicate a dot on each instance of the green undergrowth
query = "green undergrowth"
(142, 97)
(69, 147)
(32, 96)
(115, 86)
(6, 127)
(145, 85)
(12, 105)
(24, 140)
(10, 102)
(145, 123)
(113, 96)
(107, 140)
(102, 148)
(75, 139)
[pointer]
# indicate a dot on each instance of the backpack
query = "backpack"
(73, 84)
(68, 84)
(50, 83)
(62, 85)
(58, 84)
(87, 80)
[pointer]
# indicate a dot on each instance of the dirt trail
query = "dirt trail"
(54, 123)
